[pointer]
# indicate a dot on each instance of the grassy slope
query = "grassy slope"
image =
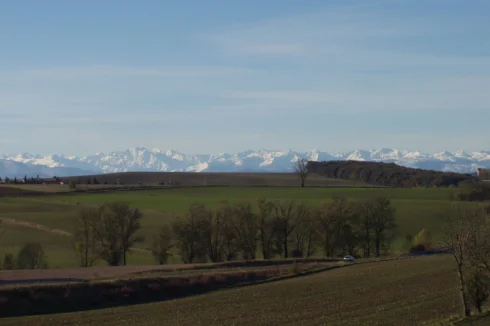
(417, 209)
(401, 292)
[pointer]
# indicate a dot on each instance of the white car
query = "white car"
(349, 258)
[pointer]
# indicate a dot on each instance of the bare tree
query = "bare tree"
(246, 227)
(332, 219)
(229, 241)
(108, 235)
(477, 288)
(211, 229)
(287, 214)
(188, 236)
(84, 236)
(128, 223)
(301, 169)
(162, 244)
(304, 234)
(366, 217)
(458, 227)
(383, 223)
(479, 244)
(266, 226)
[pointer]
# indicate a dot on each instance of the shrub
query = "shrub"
(293, 269)
(423, 238)
(417, 248)
(9, 262)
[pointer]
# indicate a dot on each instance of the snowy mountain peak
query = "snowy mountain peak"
(141, 158)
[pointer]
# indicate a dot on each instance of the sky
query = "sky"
(80, 77)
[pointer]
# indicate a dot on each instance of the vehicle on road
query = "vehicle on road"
(349, 258)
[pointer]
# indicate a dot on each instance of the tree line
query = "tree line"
(274, 228)
(26, 180)
(246, 230)
(388, 174)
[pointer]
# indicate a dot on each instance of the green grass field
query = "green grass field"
(400, 292)
(416, 209)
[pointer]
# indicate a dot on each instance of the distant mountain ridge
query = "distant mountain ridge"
(143, 159)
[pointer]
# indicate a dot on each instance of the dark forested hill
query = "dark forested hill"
(388, 174)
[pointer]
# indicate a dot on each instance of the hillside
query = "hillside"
(388, 174)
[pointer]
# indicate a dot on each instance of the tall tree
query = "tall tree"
(128, 222)
(383, 222)
(246, 227)
(333, 219)
(301, 170)
(211, 229)
(108, 235)
(458, 224)
(304, 234)
(188, 235)
(84, 236)
(229, 241)
(366, 217)
(287, 213)
(163, 242)
(266, 226)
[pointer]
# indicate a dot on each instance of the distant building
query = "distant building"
(483, 174)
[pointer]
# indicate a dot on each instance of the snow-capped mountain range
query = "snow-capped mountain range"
(143, 159)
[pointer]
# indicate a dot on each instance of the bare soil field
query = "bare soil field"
(405, 292)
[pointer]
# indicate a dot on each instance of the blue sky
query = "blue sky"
(224, 76)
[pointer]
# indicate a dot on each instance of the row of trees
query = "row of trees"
(388, 174)
(242, 230)
(279, 228)
(25, 180)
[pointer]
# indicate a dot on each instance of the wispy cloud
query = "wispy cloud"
(344, 37)
(284, 95)
(116, 71)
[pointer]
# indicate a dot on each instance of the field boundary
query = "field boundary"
(36, 193)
